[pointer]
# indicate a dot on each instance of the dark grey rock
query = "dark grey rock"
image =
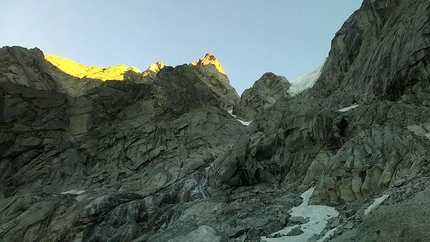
(161, 159)
(295, 231)
(262, 95)
(407, 221)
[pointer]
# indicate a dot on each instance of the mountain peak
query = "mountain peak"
(209, 56)
(154, 68)
(209, 59)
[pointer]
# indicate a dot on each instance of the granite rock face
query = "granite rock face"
(157, 157)
(113, 163)
(210, 71)
(262, 95)
(333, 135)
(29, 68)
(380, 53)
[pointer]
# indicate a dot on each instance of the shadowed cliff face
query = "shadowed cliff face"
(380, 53)
(262, 95)
(155, 156)
(377, 71)
(75, 149)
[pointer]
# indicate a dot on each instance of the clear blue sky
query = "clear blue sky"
(249, 37)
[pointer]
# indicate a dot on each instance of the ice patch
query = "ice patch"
(246, 123)
(73, 192)
(348, 108)
(304, 82)
(375, 204)
(318, 216)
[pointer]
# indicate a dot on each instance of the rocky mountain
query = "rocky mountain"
(115, 154)
(262, 95)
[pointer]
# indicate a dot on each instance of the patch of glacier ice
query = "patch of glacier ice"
(348, 108)
(246, 123)
(304, 82)
(375, 204)
(318, 216)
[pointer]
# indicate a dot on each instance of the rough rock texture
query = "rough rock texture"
(156, 157)
(347, 154)
(111, 163)
(212, 74)
(380, 53)
(402, 216)
(29, 68)
(262, 95)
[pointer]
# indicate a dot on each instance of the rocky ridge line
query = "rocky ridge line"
(158, 158)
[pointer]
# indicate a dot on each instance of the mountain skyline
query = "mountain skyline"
(174, 154)
(287, 38)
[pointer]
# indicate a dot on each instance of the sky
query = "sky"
(248, 37)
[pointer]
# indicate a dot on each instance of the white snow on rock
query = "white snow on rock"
(375, 204)
(318, 216)
(73, 192)
(304, 82)
(348, 108)
(246, 123)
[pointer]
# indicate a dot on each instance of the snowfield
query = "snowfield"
(317, 216)
(304, 82)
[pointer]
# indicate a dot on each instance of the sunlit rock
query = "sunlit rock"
(81, 71)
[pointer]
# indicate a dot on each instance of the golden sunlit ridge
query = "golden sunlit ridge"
(82, 71)
(117, 72)
(209, 59)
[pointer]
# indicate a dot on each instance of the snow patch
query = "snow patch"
(348, 108)
(304, 82)
(318, 216)
(246, 123)
(73, 192)
(375, 204)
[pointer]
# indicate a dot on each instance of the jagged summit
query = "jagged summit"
(210, 71)
(154, 68)
(209, 59)
(117, 72)
(158, 158)
(82, 71)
